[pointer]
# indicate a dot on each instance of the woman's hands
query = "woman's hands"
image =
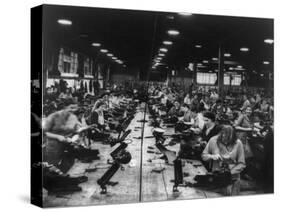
(216, 157)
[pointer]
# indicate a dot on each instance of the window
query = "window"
(87, 70)
(66, 67)
(206, 78)
(74, 63)
(236, 79)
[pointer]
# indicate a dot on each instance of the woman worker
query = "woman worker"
(226, 148)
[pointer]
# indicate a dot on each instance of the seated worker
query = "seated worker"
(244, 126)
(226, 149)
(246, 102)
(66, 95)
(57, 127)
(199, 119)
(176, 110)
(96, 117)
(62, 140)
(210, 128)
(186, 120)
(187, 99)
(217, 108)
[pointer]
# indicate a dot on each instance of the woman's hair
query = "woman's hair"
(230, 133)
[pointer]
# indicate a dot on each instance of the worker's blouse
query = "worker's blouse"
(233, 151)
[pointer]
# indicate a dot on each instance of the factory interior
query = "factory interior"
(141, 106)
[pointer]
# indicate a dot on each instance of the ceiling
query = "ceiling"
(135, 37)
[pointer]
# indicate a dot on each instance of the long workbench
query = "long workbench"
(140, 181)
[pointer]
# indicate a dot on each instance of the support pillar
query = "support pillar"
(221, 70)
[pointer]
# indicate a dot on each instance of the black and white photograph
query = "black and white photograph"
(132, 106)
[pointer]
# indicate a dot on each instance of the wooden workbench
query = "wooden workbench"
(131, 187)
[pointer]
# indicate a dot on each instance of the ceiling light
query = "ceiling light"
(185, 14)
(265, 62)
(239, 67)
(159, 58)
(173, 32)
(64, 22)
(205, 61)
(269, 41)
(163, 50)
(104, 50)
(114, 58)
(214, 58)
(199, 64)
(109, 54)
(244, 49)
(227, 54)
(161, 55)
(198, 46)
(96, 44)
(231, 68)
(167, 42)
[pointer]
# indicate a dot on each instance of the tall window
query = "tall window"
(236, 79)
(87, 70)
(68, 61)
(66, 67)
(74, 62)
(206, 78)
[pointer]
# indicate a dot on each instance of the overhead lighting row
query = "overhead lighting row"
(67, 22)
(108, 54)
(163, 50)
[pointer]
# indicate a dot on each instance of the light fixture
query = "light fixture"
(104, 50)
(268, 41)
(214, 58)
(173, 32)
(265, 62)
(109, 55)
(158, 58)
(163, 50)
(64, 22)
(205, 61)
(161, 55)
(244, 49)
(96, 44)
(114, 58)
(239, 67)
(166, 42)
(231, 68)
(227, 54)
(262, 75)
(198, 46)
(185, 14)
(199, 64)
